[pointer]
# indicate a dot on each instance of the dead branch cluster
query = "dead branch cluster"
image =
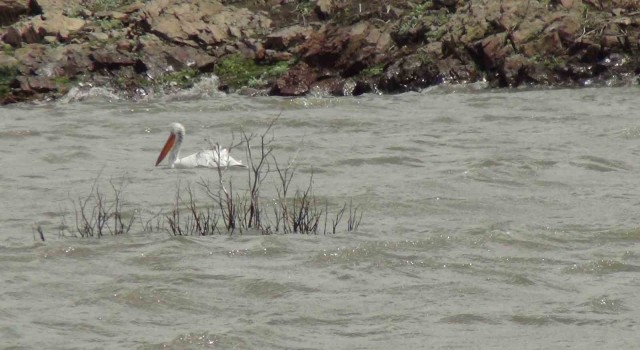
(300, 213)
(96, 214)
(225, 210)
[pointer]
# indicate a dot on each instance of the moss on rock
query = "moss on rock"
(237, 71)
(7, 75)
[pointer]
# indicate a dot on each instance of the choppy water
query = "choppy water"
(502, 219)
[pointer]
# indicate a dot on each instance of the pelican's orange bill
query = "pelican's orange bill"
(167, 147)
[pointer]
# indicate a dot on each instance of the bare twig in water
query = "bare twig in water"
(119, 226)
(338, 217)
(257, 172)
(223, 199)
(305, 213)
(85, 222)
(95, 214)
(149, 225)
(37, 228)
(354, 219)
(299, 214)
(285, 176)
(63, 223)
(174, 218)
(195, 220)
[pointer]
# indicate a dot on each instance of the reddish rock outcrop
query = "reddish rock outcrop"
(323, 46)
(201, 23)
(159, 58)
(296, 82)
(347, 50)
(11, 10)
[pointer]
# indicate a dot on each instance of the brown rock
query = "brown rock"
(569, 27)
(324, 8)
(12, 37)
(158, 57)
(7, 61)
(514, 69)
(569, 4)
(124, 45)
(287, 37)
(434, 49)
(296, 82)
(448, 3)
(546, 44)
(59, 6)
(409, 73)
(98, 36)
(111, 58)
(333, 86)
(273, 55)
(201, 22)
(628, 5)
(29, 35)
(71, 60)
(32, 85)
(30, 57)
(527, 32)
(11, 10)
(493, 50)
(184, 23)
(56, 25)
(454, 71)
(516, 13)
(121, 16)
(68, 60)
(348, 49)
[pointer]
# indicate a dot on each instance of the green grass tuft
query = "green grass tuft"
(105, 5)
(7, 75)
(180, 79)
(373, 71)
(237, 71)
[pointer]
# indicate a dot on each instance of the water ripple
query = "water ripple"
(600, 164)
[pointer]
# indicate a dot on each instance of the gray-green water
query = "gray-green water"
(492, 220)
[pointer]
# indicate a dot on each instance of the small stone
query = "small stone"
(12, 37)
(273, 55)
(124, 45)
(11, 10)
(324, 8)
(36, 84)
(568, 4)
(99, 36)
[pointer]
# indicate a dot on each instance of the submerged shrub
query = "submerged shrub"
(227, 210)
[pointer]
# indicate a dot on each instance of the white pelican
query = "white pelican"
(203, 159)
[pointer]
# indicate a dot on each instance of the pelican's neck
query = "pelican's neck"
(174, 155)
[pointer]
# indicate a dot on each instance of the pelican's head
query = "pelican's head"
(177, 129)
(173, 143)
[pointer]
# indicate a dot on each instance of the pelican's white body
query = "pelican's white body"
(217, 157)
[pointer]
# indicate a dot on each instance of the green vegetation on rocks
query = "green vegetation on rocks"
(7, 75)
(180, 79)
(7, 49)
(373, 71)
(237, 71)
(105, 5)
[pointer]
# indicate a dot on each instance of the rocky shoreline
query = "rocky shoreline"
(292, 48)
